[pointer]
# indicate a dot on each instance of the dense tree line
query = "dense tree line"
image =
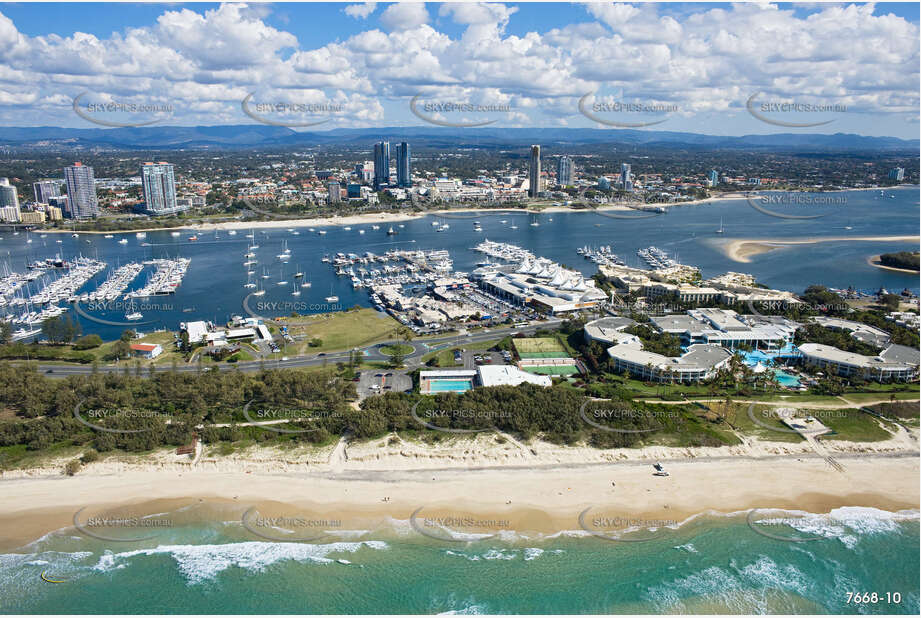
(901, 259)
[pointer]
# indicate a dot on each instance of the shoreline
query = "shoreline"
(382, 217)
(743, 249)
(874, 260)
(543, 501)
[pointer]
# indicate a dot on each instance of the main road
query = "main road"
(369, 353)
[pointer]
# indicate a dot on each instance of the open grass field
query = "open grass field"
(341, 330)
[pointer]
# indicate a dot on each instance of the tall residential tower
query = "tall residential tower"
(81, 191)
(534, 172)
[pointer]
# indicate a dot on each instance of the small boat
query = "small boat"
(434, 223)
(401, 226)
(332, 299)
(361, 231)
(390, 231)
(325, 258)
(295, 291)
(348, 229)
(514, 227)
(141, 235)
(232, 233)
(322, 232)
(135, 315)
(75, 235)
(342, 561)
(298, 274)
(306, 284)
(259, 293)
(720, 231)
(375, 227)
(123, 241)
(106, 236)
(193, 237)
(535, 224)
(174, 234)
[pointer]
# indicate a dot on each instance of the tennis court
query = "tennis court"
(539, 347)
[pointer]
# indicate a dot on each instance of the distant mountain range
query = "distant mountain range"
(264, 136)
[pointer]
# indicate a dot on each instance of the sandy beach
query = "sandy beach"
(874, 260)
(743, 249)
(542, 494)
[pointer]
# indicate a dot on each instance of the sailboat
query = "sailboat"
(332, 298)
(133, 314)
(259, 291)
(286, 252)
(249, 280)
(281, 278)
(720, 231)
(294, 290)
(299, 273)
(306, 284)
(265, 275)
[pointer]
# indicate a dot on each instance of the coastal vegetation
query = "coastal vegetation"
(901, 259)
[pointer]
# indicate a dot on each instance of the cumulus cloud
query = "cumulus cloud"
(360, 11)
(703, 59)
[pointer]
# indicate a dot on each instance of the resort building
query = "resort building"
(608, 330)
(859, 331)
(895, 363)
(700, 362)
(726, 328)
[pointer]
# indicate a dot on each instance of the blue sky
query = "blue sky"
(845, 67)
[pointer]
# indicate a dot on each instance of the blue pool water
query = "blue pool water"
(786, 379)
(454, 386)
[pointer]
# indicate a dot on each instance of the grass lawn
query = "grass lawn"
(342, 330)
(397, 348)
(737, 416)
(864, 397)
(852, 425)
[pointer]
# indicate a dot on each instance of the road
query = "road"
(370, 353)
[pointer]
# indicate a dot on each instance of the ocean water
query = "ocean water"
(709, 564)
(213, 286)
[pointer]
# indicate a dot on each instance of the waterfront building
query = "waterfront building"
(381, 165)
(159, 183)
(32, 217)
(335, 193)
(9, 201)
(44, 189)
(714, 178)
(897, 174)
(534, 172)
(10, 214)
(626, 179)
(564, 171)
(55, 209)
(81, 192)
(604, 184)
(404, 169)
(353, 190)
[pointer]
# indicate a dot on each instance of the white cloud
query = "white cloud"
(404, 16)
(360, 11)
(707, 60)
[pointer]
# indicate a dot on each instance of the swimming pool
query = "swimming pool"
(453, 386)
(785, 379)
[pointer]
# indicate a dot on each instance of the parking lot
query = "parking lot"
(376, 381)
(473, 358)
